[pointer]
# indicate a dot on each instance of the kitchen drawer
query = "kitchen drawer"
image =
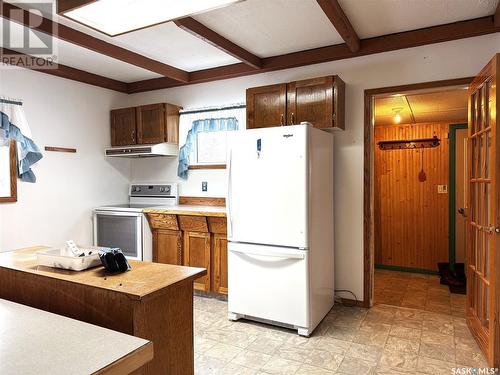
(163, 221)
(217, 225)
(193, 223)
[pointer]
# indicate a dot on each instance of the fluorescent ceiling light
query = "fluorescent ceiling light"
(114, 17)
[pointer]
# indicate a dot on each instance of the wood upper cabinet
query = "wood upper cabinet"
(151, 124)
(266, 106)
(316, 101)
(123, 127)
(319, 101)
(146, 124)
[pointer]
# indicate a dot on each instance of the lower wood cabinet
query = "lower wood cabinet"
(168, 246)
(219, 275)
(197, 241)
(197, 254)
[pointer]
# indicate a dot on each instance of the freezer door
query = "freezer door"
(267, 186)
(269, 282)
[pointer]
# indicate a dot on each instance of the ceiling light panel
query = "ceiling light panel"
(115, 17)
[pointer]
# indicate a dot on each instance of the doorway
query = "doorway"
(412, 172)
(482, 210)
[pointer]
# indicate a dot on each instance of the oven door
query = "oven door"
(119, 229)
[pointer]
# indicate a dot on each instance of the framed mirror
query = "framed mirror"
(8, 173)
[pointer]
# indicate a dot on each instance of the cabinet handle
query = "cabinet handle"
(282, 120)
(132, 136)
(292, 119)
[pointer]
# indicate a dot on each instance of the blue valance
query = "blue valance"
(199, 126)
(27, 151)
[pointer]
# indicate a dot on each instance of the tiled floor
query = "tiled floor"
(351, 340)
(416, 291)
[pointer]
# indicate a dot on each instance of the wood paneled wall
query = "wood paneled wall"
(411, 217)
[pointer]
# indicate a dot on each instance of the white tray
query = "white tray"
(57, 258)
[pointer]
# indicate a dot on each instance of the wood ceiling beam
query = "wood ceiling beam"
(11, 57)
(60, 31)
(497, 16)
(199, 30)
(67, 5)
(339, 20)
(408, 39)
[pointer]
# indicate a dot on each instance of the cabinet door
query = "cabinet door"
(318, 101)
(197, 254)
(266, 106)
(219, 243)
(167, 246)
(151, 124)
(123, 127)
(172, 125)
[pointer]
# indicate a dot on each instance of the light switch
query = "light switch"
(442, 189)
(204, 186)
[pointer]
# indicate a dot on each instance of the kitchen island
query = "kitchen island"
(152, 301)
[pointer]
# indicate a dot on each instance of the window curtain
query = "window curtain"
(14, 126)
(207, 121)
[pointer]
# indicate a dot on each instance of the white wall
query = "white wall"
(455, 59)
(58, 206)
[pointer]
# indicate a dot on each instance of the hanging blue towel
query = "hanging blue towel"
(206, 125)
(28, 152)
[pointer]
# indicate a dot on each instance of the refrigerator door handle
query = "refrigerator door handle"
(269, 253)
(229, 198)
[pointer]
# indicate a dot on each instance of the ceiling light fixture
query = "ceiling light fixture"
(115, 17)
(397, 115)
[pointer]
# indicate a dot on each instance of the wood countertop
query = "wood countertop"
(144, 279)
(185, 209)
(36, 342)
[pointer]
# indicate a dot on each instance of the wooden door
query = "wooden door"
(266, 106)
(123, 127)
(219, 243)
(197, 254)
(151, 124)
(167, 246)
(483, 222)
(316, 101)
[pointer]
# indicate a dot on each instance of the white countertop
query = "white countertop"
(37, 342)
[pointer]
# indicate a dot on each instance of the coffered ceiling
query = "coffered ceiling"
(253, 36)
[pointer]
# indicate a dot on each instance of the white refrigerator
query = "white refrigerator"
(280, 226)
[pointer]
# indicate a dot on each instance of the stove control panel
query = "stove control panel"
(153, 190)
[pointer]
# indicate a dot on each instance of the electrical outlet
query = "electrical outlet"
(442, 189)
(204, 186)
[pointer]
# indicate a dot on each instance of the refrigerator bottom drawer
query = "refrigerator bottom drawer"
(268, 282)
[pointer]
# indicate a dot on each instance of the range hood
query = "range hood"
(144, 151)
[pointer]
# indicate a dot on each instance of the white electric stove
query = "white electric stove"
(124, 225)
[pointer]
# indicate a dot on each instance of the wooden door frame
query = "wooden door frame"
(452, 192)
(369, 172)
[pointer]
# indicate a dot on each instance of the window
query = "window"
(211, 148)
(203, 136)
